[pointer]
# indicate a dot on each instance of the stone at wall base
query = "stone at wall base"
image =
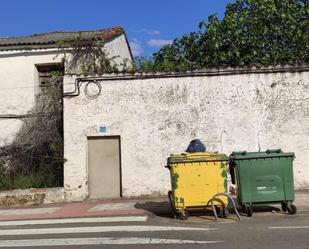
(29, 197)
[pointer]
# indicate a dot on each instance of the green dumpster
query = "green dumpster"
(263, 177)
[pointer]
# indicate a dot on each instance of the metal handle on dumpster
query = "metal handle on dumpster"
(273, 151)
(231, 199)
(239, 153)
(232, 171)
(168, 167)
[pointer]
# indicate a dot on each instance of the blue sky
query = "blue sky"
(148, 24)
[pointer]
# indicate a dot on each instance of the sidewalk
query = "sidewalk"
(123, 207)
(120, 207)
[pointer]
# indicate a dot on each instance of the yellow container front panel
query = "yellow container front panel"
(195, 183)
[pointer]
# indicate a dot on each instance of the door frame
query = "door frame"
(120, 163)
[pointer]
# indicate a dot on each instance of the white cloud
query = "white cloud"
(158, 42)
(148, 31)
(136, 47)
(153, 32)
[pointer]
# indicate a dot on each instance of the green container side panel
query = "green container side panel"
(289, 179)
(265, 179)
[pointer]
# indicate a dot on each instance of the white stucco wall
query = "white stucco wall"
(157, 117)
(19, 80)
(18, 85)
(118, 48)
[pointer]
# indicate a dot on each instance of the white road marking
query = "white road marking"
(112, 206)
(28, 211)
(98, 241)
(74, 220)
(290, 227)
(98, 229)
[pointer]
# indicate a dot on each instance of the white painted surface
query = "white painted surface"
(19, 84)
(290, 227)
(118, 49)
(158, 117)
(98, 229)
(98, 241)
(113, 206)
(29, 211)
(75, 220)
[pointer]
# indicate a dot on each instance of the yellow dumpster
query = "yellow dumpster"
(195, 179)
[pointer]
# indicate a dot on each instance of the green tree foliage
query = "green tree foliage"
(252, 33)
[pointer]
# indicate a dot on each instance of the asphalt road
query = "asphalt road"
(263, 230)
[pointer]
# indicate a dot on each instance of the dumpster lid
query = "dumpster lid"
(197, 157)
(243, 155)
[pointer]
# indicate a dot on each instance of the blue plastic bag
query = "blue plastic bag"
(196, 146)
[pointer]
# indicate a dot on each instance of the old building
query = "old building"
(119, 129)
(26, 64)
(22, 59)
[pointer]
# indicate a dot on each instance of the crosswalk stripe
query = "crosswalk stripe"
(290, 227)
(98, 229)
(74, 220)
(97, 241)
(108, 206)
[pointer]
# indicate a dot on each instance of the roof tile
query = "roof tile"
(54, 37)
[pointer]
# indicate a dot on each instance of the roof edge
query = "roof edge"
(105, 34)
(202, 72)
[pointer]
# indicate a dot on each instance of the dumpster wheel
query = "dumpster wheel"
(183, 214)
(292, 209)
(284, 206)
(248, 210)
(170, 198)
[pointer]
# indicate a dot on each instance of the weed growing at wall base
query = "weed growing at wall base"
(34, 159)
